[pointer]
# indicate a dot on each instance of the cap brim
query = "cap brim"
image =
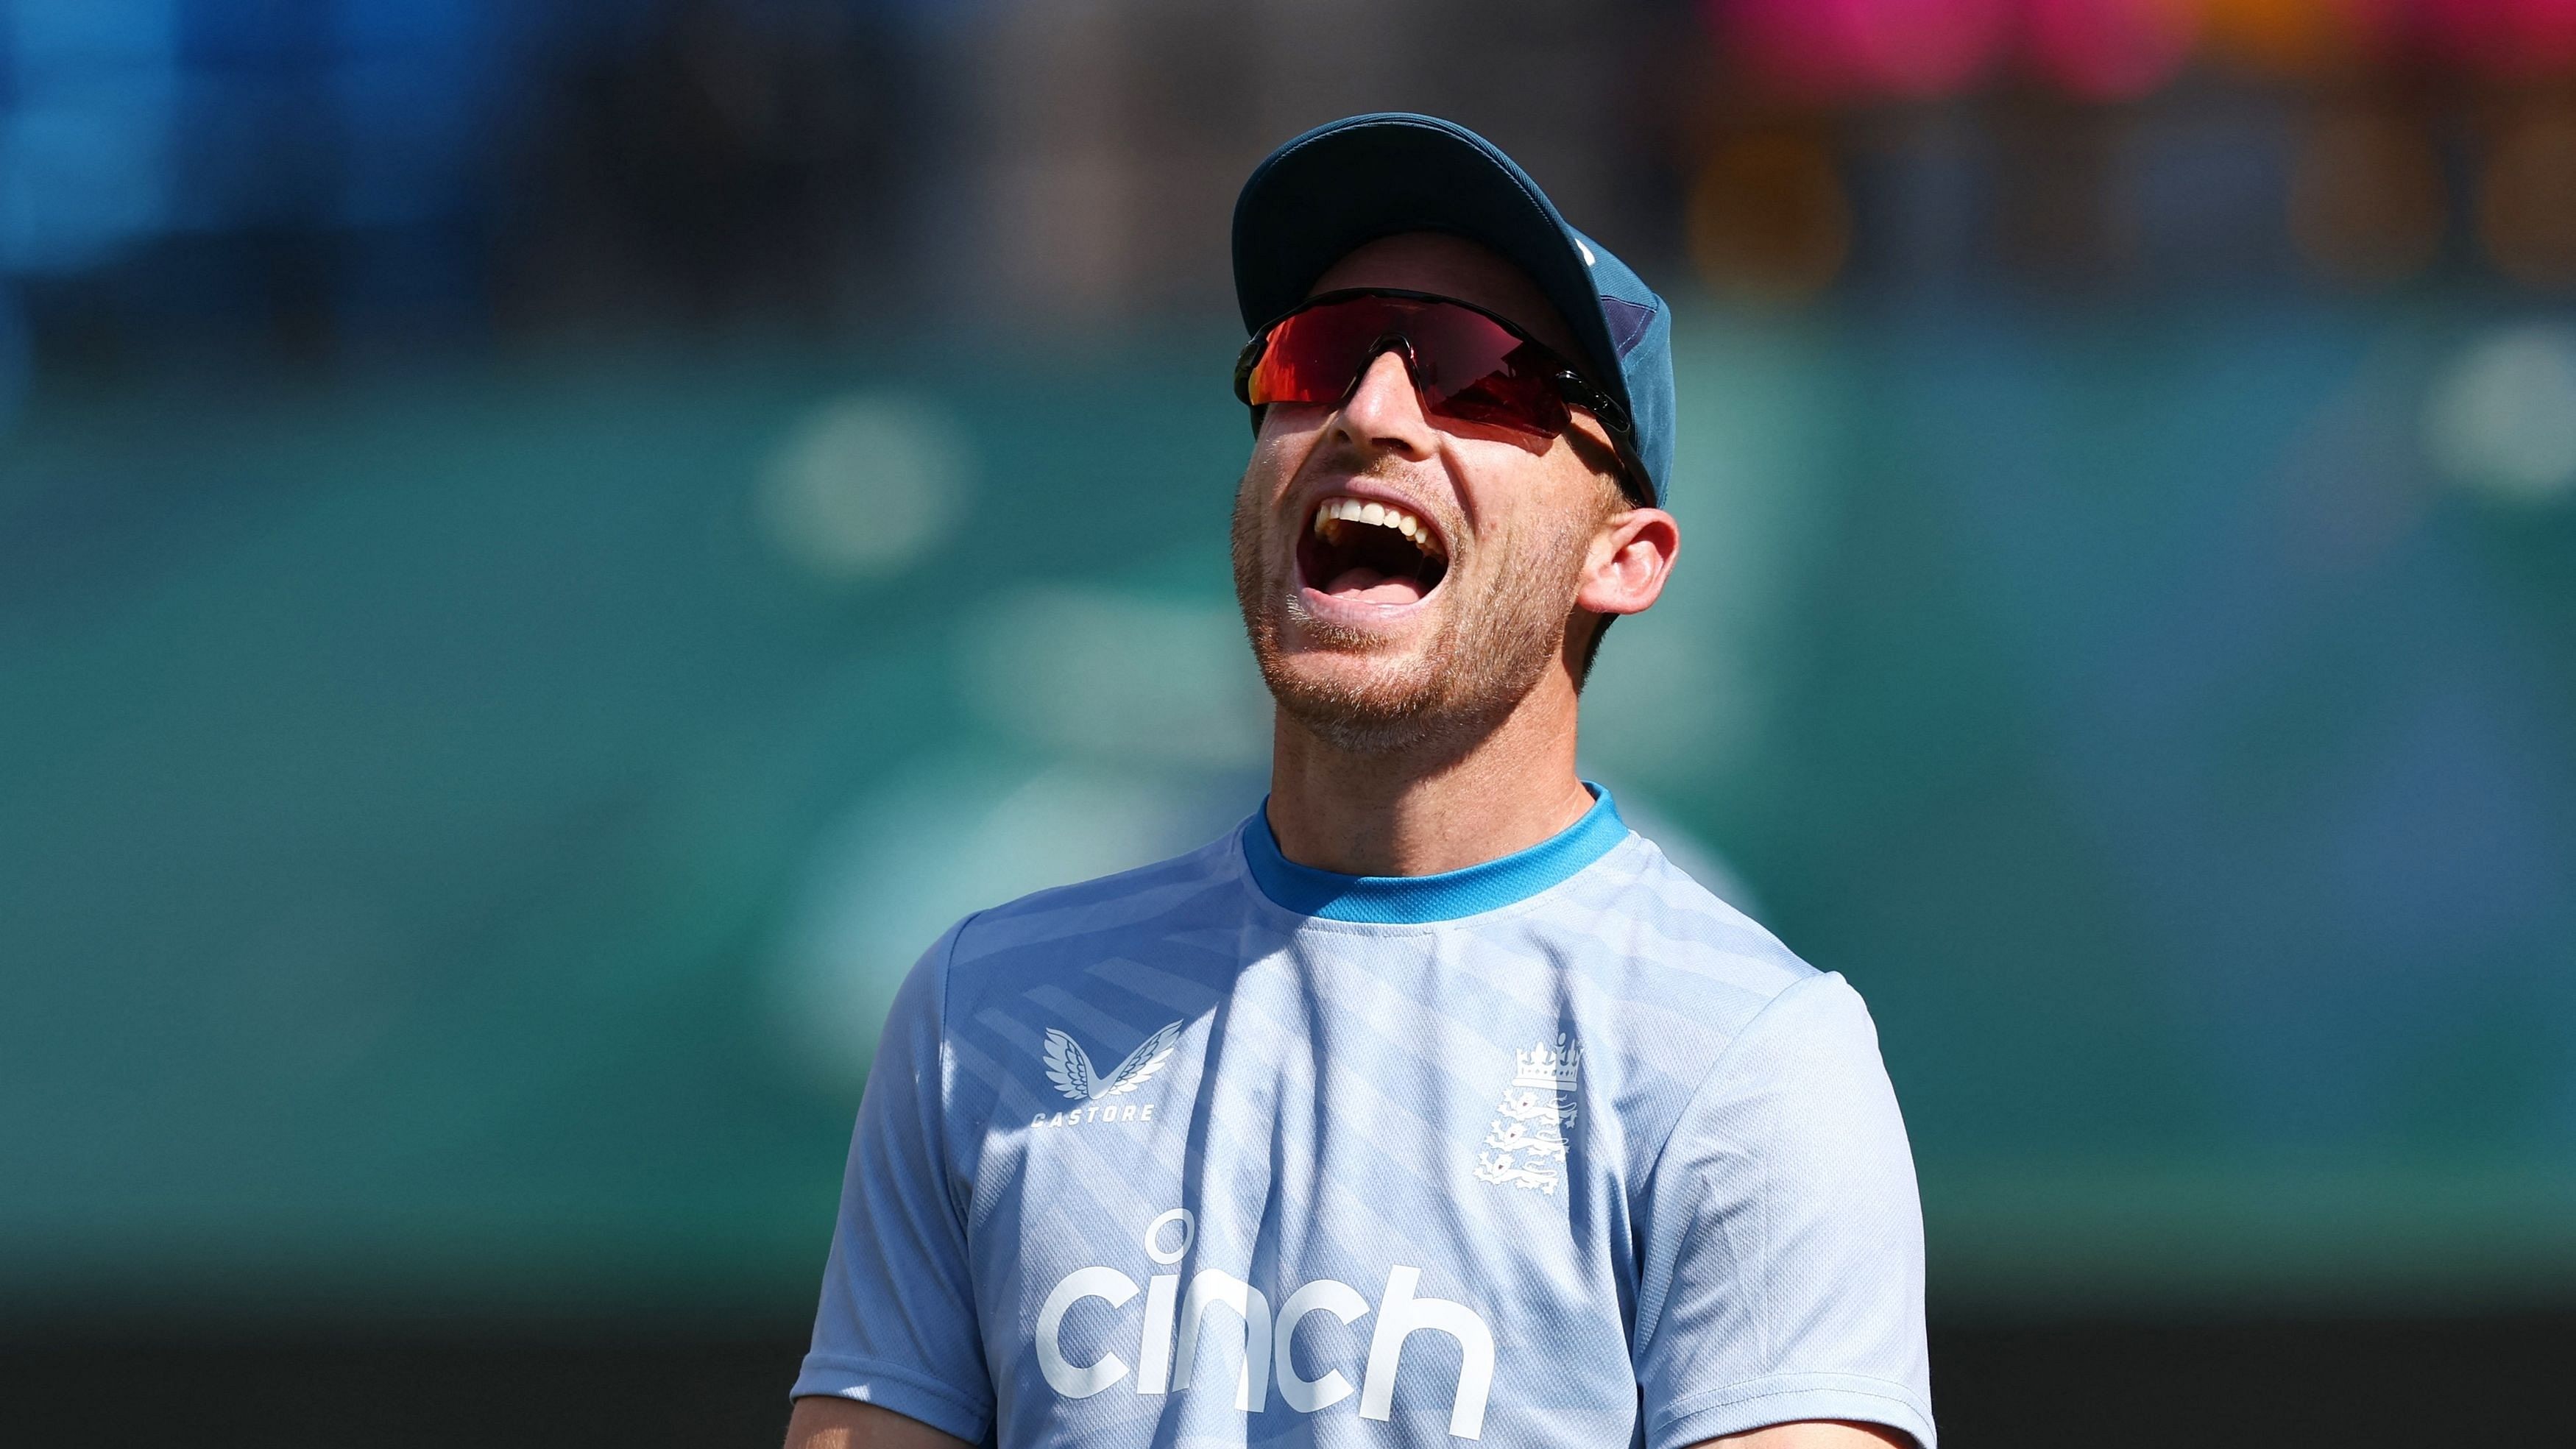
(1340, 186)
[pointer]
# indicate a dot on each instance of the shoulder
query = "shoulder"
(1688, 1005)
(1659, 938)
(1161, 897)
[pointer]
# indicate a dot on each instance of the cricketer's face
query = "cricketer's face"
(1407, 578)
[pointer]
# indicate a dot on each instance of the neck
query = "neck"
(1399, 812)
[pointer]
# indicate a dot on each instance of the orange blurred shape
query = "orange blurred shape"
(1831, 50)
(2367, 204)
(1769, 220)
(2108, 50)
(2299, 37)
(2527, 197)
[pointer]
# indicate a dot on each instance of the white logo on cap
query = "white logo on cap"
(1588, 259)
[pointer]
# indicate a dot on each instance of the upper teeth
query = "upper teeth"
(1353, 510)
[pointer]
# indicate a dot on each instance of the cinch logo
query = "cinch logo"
(1163, 1367)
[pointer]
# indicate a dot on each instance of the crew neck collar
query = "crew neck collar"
(1420, 899)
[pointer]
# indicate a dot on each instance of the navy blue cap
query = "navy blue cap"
(1342, 185)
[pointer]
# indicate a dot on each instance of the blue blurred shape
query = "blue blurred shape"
(405, 27)
(59, 38)
(407, 87)
(84, 136)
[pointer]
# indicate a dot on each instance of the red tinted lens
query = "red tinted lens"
(1314, 356)
(1465, 364)
(1472, 368)
(1314, 353)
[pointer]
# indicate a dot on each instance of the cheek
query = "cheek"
(1291, 424)
(1511, 495)
(1278, 450)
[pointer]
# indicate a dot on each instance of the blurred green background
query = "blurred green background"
(546, 551)
(464, 827)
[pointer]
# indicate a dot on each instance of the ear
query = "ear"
(1630, 558)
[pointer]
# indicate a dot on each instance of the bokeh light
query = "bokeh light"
(2367, 204)
(2501, 418)
(938, 842)
(2299, 39)
(863, 485)
(1832, 49)
(1769, 219)
(2108, 50)
(2516, 39)
(2526, 205)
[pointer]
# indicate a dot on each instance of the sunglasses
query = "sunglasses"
(1466, 363)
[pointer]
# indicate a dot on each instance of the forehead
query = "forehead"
(1452, 266)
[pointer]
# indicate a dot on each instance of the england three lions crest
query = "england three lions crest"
(1526, 1145)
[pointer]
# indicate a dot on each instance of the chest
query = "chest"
(1312, 1195)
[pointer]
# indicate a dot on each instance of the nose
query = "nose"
(1383, 410)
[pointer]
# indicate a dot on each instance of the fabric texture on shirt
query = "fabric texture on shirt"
(1157, 1160)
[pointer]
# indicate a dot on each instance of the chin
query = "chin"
(1378, 702)
(1390, 682)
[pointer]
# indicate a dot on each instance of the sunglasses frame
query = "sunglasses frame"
(1570, 383)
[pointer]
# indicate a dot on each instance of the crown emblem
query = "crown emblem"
(1528, 1137)
(1558, 1068)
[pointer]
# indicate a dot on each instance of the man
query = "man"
(1432, 1104)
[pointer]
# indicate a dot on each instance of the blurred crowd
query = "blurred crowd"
(312, 179)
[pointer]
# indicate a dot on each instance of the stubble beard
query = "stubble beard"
(1490, 649)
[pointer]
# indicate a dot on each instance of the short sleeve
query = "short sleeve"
(896, 1325)
(1782, 1277)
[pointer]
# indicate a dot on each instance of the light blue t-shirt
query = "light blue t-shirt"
(1559, 1150)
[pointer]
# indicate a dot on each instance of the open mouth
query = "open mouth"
(1370, 553)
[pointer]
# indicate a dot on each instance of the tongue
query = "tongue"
(1370, 586)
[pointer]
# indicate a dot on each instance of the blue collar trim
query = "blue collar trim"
(1416, 899)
